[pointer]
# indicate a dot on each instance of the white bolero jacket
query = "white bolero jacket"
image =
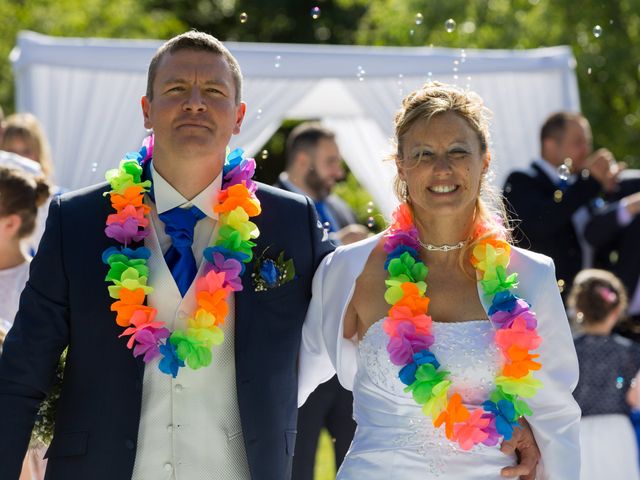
(555, 422)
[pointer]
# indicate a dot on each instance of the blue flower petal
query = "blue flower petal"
(503, 301)
(425, 356)
(233, 160)
(408, 373)
(170, 363)
(269, 272)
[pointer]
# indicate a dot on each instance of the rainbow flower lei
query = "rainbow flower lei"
(410, 336)
(225, 262)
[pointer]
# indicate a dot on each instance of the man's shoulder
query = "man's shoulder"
(532, 171)
(92, 193)
(268, 193)
(530, 179)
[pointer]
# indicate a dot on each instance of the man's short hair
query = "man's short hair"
(305, 138)
(197, 41)
(556, 124)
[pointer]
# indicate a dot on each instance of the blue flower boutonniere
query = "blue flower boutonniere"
(268, 273)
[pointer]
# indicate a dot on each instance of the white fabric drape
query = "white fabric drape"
(361, 140)
(268, 101)
(86, 92)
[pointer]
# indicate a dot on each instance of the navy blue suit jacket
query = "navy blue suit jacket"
(616, 246)
(65, 303)
(543, 221)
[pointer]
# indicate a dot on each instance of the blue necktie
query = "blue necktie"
(325, 215)
(179, 224)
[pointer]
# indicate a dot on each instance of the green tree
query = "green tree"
(604, 36)
(279, 21)
(80, 18)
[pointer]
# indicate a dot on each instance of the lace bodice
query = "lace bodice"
(465, 349)
(390, 421)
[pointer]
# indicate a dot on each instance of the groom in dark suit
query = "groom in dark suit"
(117, 419)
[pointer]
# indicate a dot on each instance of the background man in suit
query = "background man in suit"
(118, 419)
(548, 205)
(313, 167)
(614, 232)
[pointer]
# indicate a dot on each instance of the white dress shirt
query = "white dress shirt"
(189, 426)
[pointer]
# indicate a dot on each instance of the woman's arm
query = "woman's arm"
(556, 415)
(315, 365)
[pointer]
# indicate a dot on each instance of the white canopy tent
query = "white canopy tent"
(87, 93)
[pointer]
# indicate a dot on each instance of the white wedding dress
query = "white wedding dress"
(394, 439)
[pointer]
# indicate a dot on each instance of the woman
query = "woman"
(24, 136)
(608, 365)
(437, 386)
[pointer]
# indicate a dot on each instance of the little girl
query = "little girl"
(608, 366)
(20, 196)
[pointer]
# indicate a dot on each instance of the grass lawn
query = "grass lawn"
(325, 461)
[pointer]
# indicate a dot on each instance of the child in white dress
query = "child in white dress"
(20, 196)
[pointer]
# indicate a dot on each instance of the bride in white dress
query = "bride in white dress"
(480, 342)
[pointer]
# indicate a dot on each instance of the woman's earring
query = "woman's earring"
(404, 192)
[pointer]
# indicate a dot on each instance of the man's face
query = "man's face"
(574, 144)
(325, 168)
(193, 112)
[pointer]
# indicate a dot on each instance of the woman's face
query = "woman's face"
(442, 164)
(20, 146)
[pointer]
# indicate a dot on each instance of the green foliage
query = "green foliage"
(282, 21)
(325, 467)
(607, 66)
(77, 18)
(360, 202)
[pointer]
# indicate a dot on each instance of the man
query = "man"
(548, 203)
(614, 230)
(117, 419)
(313, 167)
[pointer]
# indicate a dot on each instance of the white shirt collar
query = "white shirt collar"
(168, 197)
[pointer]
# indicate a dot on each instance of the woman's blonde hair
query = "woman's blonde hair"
(437, 98)
(27, 128)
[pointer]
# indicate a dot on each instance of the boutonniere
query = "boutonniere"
(269, 273)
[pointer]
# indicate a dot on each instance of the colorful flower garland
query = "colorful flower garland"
(128, 270)
(410, 336)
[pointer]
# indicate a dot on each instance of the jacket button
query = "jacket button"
(129, 444)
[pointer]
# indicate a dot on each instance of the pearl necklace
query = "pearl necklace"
(442, 248)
